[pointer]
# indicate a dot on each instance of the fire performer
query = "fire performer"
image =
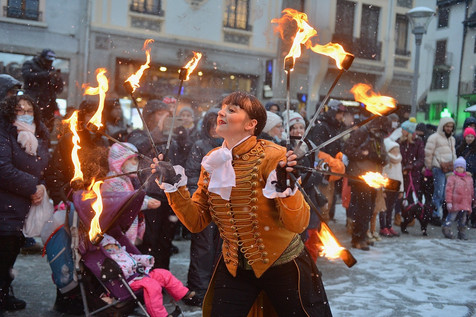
(366, 152)
(242, 188)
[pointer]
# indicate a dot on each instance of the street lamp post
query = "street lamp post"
(419, 19)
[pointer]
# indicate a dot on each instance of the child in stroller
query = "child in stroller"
(151, 282)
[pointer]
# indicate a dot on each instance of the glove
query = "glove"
(166, 172)
(283, 179)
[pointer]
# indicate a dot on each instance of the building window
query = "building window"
(440, 53)
(344, 25)
(441, 79)
(401, 35)
(23, 9)
(237, 13)
(369, 47)
(474, 81)
(153, 7)
(443, 16)
(405, 3)
(296, 4)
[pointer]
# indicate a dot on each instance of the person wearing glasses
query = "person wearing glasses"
(23, 160)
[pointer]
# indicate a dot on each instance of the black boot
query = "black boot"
(13, 303)
(70, 302)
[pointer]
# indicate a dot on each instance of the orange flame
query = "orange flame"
(73, 126)
(192, 64)
(135, 78)
(303, 36)
(374, 102)
(375, 180)
(97, 206)
(331, 249)
(103, 86)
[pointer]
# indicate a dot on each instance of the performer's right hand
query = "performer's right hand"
(165, 170)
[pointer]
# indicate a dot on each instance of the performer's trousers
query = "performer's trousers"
(294, 289)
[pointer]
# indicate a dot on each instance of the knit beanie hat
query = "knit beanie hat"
(118, 154)
(460, 162)
(294, 118)
(272, 121)
(186, 108)
(421, 127)
(469, 130)
(408, 126)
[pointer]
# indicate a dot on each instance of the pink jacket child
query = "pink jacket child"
(122, 160)
(152, 282)
(459, 198)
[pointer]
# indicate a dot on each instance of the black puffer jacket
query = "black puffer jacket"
(325, 128)
(361, 141)
(20, 173)
(200, 148)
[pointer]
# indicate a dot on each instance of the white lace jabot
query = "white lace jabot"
(222, 175)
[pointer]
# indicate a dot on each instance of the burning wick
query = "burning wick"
(95, 228)
(374, 103)
(103, 87)
(190, 67)
(73, 126)
(132, 83)
(375, 180)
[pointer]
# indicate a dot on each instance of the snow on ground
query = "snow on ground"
(406, 276)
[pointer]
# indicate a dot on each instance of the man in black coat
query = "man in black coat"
(328, 125)
(366, 153)
(43, 82)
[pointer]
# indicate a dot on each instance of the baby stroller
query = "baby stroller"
(104, 290)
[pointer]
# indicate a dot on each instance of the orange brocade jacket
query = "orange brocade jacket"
(258, 227)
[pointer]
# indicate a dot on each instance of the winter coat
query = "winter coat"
(325, 128)
(277, 222)
(439, 148)
(362, 140)
(61, 169)
(200, 148)
(468, 152)
(41, 85)
(7, 82)
(128, 262)
(413, 159)
(20, 173)
(140, 139)
(459, 137)
(185, 138)
(393, 169)
(459, 192)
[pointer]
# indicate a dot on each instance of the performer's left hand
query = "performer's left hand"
(290, 161)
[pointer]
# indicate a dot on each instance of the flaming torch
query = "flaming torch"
(73, 126)
(332, 247)
(95, 228)
(303, 36)
(101, 89)
(132, 83)
(184, 75)
(374, 103)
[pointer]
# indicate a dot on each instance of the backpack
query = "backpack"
(57, 247)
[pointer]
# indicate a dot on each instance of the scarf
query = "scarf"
(26, 137)
(222, 175)
(460, 174)
(395, 159)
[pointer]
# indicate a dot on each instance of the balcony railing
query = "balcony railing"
(362, 48)
(140, 7)
(19, 13)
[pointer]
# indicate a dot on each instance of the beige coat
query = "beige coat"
(439, 148)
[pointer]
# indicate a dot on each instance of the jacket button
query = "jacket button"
(235, 235)
(228, 205)
(264, 254)
(265, 261)
(258, 162)
(260, 240)
(261, 247)
(255, 169)
(254, 200)
(254, 192)
(262, 155)
(254, 176)
(257, 234)
(254, 208)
